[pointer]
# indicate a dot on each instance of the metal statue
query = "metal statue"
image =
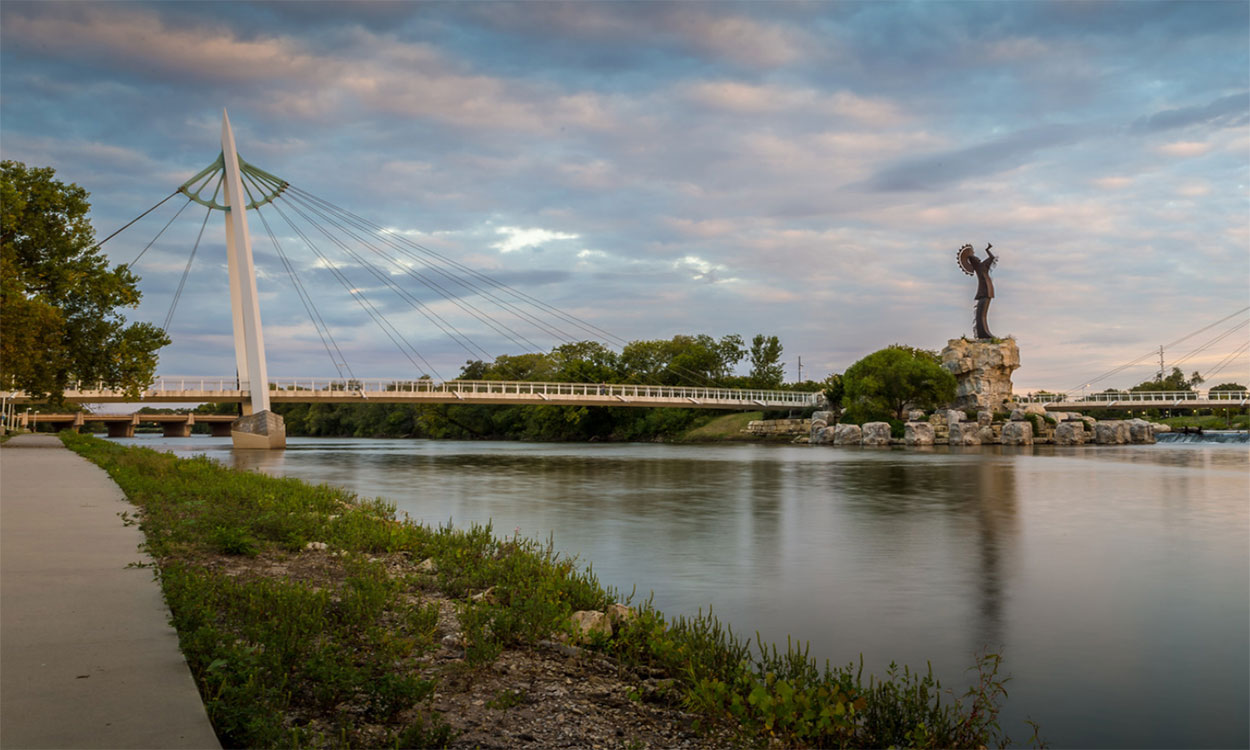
(974, 266)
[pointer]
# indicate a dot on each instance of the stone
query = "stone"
(1141, 431)
(1017, 433)
(618, 614)
(316, 546)
(954, 416)
(486, 597)
(1111, 432)
(986, 434)
(819, 435)
(915, 415)
(589, 623)
(876, 433)
(1160, 427)
(1018, 415)
(985, 418)
(822, 401)
(847, 434)
(965, 434)
(982, 371)
(427, 566)
(1070, 433)
(263, 430)
(822, 416)
(918, 433)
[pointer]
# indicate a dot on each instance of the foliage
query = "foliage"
(283, 662)
(1228, 387)
(59, 298)
(766, 368)
(1175, 381)
(888, 382)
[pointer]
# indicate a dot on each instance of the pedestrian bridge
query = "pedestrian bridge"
(1124, 400)
(197, 389)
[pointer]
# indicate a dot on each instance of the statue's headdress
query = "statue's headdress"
(962, 256)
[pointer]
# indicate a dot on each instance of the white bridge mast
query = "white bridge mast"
(267, 431)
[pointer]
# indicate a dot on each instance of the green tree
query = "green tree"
(1175, 381)
(891, 380)
(1228, 387)
(766, 367)
(59, 299)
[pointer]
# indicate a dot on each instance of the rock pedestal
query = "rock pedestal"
(264, 430)
(982, 371)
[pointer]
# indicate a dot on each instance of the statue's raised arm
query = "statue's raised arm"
(970, 264)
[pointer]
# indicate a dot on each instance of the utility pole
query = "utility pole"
(800, 368)
(1160, 363)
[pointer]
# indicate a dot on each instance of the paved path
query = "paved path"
(87, 656)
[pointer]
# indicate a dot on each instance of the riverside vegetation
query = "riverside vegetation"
(314, 618)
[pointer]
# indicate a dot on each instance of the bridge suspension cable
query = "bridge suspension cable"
(1226, 361)
(1153, 352)
(185, 272)
(448, 279)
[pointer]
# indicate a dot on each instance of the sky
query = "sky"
(804, 170)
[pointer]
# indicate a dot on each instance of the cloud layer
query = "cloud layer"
(805, 170)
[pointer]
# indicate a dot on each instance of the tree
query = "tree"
(58, 298)
(889, 381)
(1228, 387)
(766, 368)
(1175, 381)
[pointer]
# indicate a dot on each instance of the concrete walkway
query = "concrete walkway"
(87, 656)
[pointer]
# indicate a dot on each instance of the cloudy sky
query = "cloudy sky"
(806, 170)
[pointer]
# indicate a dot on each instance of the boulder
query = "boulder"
(918, 433)
(986, 434)
(954, 416)
(915, 415)
(1018, 415)
(1111, 432)
(965, 434)
(1141, 431)
(847, 434)
(1017, 433)
(1160, 427)
(427, 566)
(819, 435)
(822, 416)
(619, 614)
(985, 418)
(1035, 409)
(1070, 432)
(876, 433)
(982, 371)
(589, 623)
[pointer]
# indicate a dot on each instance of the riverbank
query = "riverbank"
(309, 616)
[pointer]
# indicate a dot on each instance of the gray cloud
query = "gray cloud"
(1226, 112)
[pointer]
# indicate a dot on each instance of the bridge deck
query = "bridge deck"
(1124, 400)
(307, 390)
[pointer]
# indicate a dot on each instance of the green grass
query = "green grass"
(1211, 422)
(329, 654)
(725, 427)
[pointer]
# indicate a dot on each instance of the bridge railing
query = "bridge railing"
(515, 387)
(205, 387)
(1135, 396)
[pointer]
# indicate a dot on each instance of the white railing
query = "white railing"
(205, 387)
(1135, 397)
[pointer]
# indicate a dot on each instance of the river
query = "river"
(1114, 580)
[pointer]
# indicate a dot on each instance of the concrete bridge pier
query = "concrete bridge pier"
(122, 428)
(220, 429)
(178, 429)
